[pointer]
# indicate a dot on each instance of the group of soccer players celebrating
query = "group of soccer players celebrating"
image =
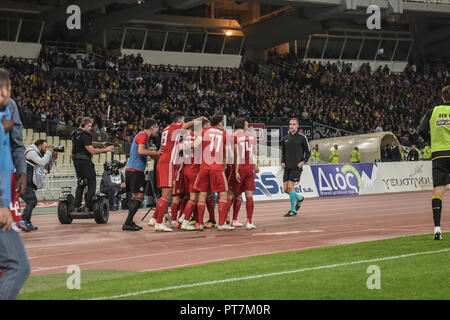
(196, 160)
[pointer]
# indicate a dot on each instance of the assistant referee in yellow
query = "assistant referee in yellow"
(435, 127)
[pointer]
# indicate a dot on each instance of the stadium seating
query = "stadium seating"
(64, 167)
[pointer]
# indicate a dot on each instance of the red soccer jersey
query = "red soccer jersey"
(246, 147)
(188, 154)
(213, 148)
(14, 206)
(170, 138)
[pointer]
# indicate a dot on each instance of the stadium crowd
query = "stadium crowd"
(358, 101)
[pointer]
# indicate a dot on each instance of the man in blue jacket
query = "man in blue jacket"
(14, 264)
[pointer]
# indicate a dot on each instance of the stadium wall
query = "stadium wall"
(347, 179)
(20, 49)
(186, 59)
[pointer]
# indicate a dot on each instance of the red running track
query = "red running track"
(321, 222)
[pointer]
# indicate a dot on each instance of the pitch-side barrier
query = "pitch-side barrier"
(329, 180)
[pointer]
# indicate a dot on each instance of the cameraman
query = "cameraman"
(39, 157)
(113, 184)
(82, 151)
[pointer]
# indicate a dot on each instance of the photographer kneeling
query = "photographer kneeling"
(39, 157)
(82, 151)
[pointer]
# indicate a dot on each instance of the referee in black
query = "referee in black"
(82, 150)
(295, 153)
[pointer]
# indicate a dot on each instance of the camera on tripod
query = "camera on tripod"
(114, 128)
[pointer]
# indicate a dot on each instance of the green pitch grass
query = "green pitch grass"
(338, 272)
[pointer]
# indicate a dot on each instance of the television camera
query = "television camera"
(111, 184)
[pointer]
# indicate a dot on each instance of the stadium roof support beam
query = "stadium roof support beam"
(25, 8)
(397, 6)
(59, 13)
(187, 4)
(138, 11)
(122, 16)
(319, 14)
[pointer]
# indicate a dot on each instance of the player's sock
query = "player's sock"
(133, 207)
(229, 205)
(210, 206)
(297, 196)
(223, 206)
(292, 198)
(188, 209)
(161, 206)
(250, 205)
(174, 210)
(183, 205)
(436, 204)
(236, 207)
(201, 211)
(155, 212)
(196, 212)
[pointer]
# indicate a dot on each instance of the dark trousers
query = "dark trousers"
(31, 201)
(84, 169)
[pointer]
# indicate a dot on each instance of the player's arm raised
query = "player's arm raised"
(143, 151)
(190, 124)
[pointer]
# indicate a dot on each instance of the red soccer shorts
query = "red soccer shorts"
(189, 180)
(229, 171)
(211, 180)
(247, 180)
(165, 175)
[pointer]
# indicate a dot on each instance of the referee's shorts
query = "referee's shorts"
(440, 171)
(292, 174)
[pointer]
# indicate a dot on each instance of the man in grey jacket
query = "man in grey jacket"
(40, 158)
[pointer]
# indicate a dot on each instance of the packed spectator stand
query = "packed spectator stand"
(62, 88)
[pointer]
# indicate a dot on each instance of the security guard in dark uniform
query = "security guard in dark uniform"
(295, 153)
(82, 150)
(435, 127)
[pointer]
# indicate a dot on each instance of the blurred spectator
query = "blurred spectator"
(386, 154)
(413, 154)
(395, 152)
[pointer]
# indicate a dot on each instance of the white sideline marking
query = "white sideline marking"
(256, 276)
(285, 232)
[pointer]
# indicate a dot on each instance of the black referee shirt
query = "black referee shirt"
(295, 149)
